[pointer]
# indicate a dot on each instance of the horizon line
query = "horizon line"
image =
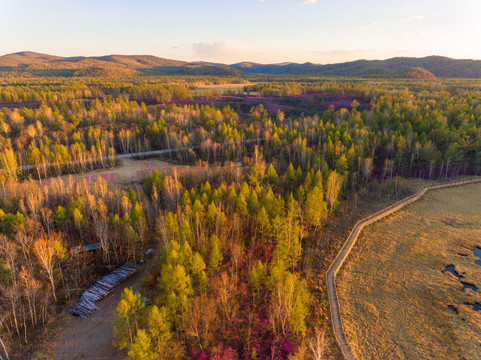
(279, 63)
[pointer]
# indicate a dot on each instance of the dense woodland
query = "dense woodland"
(232, 247)
(409, 128)
(229, 280)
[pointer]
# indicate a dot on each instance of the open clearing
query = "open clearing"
(91, 338)
(127, 172)
(394, 291)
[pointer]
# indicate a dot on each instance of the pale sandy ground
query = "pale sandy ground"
(128, 171)
(394, 292)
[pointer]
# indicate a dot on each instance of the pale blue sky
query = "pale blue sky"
(228, 31)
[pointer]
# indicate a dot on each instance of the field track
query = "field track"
(346, 249)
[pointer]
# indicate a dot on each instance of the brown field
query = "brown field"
(206, 89)
(394, 292)
(222, 86)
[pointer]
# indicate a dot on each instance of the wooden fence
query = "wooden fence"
(349, 244)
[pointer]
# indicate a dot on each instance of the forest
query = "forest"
(267, 165)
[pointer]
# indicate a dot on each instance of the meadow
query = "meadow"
(398, 299)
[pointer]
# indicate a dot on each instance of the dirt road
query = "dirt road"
(91, 338)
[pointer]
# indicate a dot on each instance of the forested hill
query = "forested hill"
(35, 64)
(399, 67)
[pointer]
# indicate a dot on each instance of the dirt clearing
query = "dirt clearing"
(127, 172)
(394, 290)
(91, 338)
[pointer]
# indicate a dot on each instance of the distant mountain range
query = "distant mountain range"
(35, 64)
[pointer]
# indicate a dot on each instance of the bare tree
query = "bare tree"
(225, 288)
(31, 288)
(44, 249)
(173, 187)
(11, 296)
(388, 167)
(46, 217)
(8, 249)
(367, 169)
(318, 344)
(280, 309)
(102, 233)
(34, 200)
(201, 321)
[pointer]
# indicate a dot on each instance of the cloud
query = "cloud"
(225, 51)
(382, 22)
(413, 17)
(403, 18)
(306, 2)
(420, 33)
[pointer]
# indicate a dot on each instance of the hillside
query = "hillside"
(25, 58)
(416, 73)
(35, 64)
(439, 66)
(142, 61)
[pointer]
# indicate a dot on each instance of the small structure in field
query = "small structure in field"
(87, 247)
(149, 252)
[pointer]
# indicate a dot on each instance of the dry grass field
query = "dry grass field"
(394, 291)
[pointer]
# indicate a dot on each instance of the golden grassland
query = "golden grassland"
(394, 292)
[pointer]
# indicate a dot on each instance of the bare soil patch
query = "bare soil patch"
(92, 338)
(127, 172)
(395, 293)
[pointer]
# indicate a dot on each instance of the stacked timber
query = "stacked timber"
(86, 303)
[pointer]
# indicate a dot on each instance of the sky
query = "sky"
(230, 31)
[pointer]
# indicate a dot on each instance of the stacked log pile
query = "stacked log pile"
(86, 304)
